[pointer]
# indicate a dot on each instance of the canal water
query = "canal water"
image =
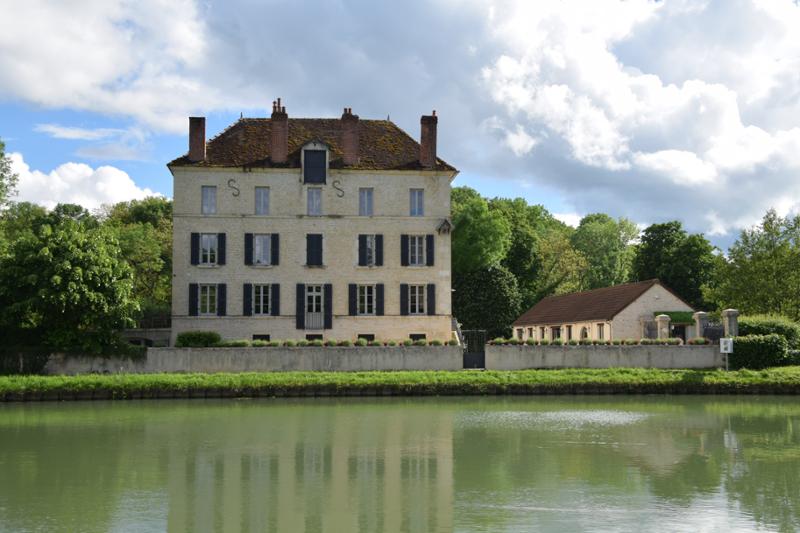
(655, 463)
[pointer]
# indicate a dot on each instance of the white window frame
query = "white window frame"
(366, 204)
(262, 299)
(366, 300)
(416, 199)
(314, 298)
(601, 331)
(209, 249)
(314, 206)
(208, 199)
(262, 207)
(207, 299)
(416, 299)
(260, 248)
(416, 250)
(371, 249)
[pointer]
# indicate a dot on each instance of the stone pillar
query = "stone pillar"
(730, 322)
(662, 321)
(700, 323)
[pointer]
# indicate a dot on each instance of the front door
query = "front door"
(314, 316)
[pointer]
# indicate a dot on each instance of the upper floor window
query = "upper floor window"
(209, 199)
(366, 299)
(314, 166)
(314, 201)
(262, 200)
(365, 202)
(417, 201)
(416, 299)
(208, 248)
(416, 250)
(262, 248)
(261, 299)
(207, 299)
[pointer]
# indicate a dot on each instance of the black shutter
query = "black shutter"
(379, 299)
(429, 250)
(247, 299)
(431, 299)
(352, 298)
(404, 250)
(300, 307)
(193, 298)
(378, 250)
(222, 295)
(328, 306)
(195, 248)
(248, 248)
(220, 248)
(274, 242)
(404, 299)
(275, 295)
(314, 249)
(362, 250)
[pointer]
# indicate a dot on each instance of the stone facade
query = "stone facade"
(340, 226)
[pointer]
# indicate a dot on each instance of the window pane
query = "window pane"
(262, 200)
(208, 248)
(370, 251)
(314, 201)
(209, 200)
(365, 202)
(417, 202)
(314, 166)
(262, 250)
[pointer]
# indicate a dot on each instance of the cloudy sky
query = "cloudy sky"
(649, 110)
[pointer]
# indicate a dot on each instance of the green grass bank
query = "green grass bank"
(783, 380)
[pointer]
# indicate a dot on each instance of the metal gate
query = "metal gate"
(474, 348)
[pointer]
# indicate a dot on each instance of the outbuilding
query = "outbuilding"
(626, 311)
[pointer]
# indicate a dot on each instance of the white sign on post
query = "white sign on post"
(726, 345)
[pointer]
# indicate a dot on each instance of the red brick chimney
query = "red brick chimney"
(279, 140)
(197, 139)
(427, 141)
(349, 137)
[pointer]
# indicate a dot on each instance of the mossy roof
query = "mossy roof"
(382, 145)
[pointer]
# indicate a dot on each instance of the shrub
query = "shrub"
(631, 342)
(793, 357)
(420, 342)
(573, 342)
(407, 342)
(316, 342)
(274, 344)
(647, 342)
(616, 342)
(759, 351)
(531, 342)
(259, 343)
(557, 342)
(345, 343)
(766, 324)
(498, 340)
(585, 342)
(232, 344)
(544, 342)
(451, 342)
(394, 343)
(375, 343)
(436, 342)
(289, 343)
(361, 342)
(302, 342)
(197, 339)
(697, 341)
(514, 342)
(674, 341)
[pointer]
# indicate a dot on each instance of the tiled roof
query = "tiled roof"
(382, 145)
(598, 304)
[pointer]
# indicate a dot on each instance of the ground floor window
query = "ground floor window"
(261, 337)
(208, 299)
(520, 333)
(417, 337)
(555, 331)
(530, 333)
(601, 331)
(584, 333)
(569, 333)
(366, 299)
(261, 299)
(542, 333)
(313, 337)
(369, 337)
(416, 299)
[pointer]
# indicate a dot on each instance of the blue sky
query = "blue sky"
(654, 111)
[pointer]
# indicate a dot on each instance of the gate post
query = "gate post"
(663, 326)
(730, 322)
(700, 323)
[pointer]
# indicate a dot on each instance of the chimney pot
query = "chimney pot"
(427, 141)
(279, 133)
(197, 139)
(349, 137)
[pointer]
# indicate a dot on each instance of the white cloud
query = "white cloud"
(570, 219)
(75, 183)
(71, 133)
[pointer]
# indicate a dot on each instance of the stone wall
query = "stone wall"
(277, 359)
(599, 356)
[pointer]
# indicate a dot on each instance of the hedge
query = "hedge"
(766, 324)
(197, 339)
(759, 351)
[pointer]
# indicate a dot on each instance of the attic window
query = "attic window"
(314, 166)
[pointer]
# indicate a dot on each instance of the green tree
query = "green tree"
(487, 299)
(481, 237)
(65, 287)
(605, 243)
(762, 272)
(685, 263)
(562, 267)
(8, 179)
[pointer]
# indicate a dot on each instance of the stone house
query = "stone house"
(626, 311)
(292, 228)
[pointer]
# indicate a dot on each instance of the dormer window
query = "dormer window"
(315, 163)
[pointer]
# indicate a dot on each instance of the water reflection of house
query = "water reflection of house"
(345, 474)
